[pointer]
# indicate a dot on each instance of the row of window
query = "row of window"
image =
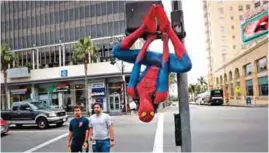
(82, 12)
(263, 86)
(67, 35)
(261, 66)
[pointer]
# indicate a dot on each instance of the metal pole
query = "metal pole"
(124, 86)
(183, 103)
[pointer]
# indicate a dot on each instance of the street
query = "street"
(214, 129)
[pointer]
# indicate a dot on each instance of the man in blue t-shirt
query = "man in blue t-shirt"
(78, 131)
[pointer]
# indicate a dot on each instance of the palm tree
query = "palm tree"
(172, 79)
(203, 83)
(6, 58)
(84, 49)
(192, 90)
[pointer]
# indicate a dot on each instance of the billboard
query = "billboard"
(254, 24)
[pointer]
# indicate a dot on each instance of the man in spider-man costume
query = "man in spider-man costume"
(151, 87)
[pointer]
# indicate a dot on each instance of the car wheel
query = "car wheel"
(60, 124)
(18, 125)
(42, 123)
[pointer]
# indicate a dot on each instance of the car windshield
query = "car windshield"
(39, 105)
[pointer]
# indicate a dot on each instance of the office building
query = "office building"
(235, 64)
(41, 35)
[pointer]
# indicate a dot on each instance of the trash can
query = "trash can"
(248, 100)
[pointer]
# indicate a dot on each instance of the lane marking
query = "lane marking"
(38, 131)
(158, 143)
(46, 143)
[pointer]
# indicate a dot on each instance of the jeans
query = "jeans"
(101, 146)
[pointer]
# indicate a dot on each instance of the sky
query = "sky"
(195, 37)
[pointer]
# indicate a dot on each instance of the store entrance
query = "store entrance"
(114, 103)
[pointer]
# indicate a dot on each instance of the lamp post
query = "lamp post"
(113, 61)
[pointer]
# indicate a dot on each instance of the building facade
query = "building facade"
(41, 35)
(237, 67)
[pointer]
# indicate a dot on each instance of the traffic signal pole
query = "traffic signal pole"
(184, 129)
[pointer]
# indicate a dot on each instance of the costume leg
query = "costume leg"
(162, 85)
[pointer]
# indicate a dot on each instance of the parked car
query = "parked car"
(34, 112)
(4, 126)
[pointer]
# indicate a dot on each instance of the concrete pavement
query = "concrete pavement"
(214, 129)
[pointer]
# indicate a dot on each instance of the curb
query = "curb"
(246, 105)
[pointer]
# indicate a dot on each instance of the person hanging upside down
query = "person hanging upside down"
(151, 87)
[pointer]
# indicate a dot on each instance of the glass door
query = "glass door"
(114, 103)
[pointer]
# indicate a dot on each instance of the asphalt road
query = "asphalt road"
(214, 129)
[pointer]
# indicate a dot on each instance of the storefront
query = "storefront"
(115, 99)
(97, 92)
(20, 93)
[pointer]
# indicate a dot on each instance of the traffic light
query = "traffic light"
(177, 22)
(135, 12)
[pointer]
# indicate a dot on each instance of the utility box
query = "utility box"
(177, 121)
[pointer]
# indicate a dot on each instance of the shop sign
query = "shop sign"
(98, 92)
(62, 87)
(64, 73)
(18, 91)
(22, 72)
(98, 85)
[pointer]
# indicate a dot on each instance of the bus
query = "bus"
(213, 97)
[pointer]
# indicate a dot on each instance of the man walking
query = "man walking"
(101, 130)
(78, 131)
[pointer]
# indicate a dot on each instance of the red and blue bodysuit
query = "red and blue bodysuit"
(151, 86)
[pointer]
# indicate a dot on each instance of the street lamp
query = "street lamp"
(113, 62)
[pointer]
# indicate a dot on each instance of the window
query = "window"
(93, 10)
(61, 16)
(82, 12)
(82, 32)
(240, 8)
(99, 30)
(257, 4)
(122, 5)
(115, 6)
(104, 9)
(109, 7)
(232, 17)
(77, 15)
(262, 64)
(77, 33)
(25, 107)
(248, 70)
(240, 17)
(42, 17)
(263, 86)
(221, 10)
(15, 108)
(249, 87)
(93, 31)
(248, 7)
(71, 14)
(98, 10)
(222, 28)
(234, 47)
(87, 11)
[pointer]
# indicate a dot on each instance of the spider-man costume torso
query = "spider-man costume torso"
(151, 87)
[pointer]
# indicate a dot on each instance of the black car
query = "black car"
(34, 112)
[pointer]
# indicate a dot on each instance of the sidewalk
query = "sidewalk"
(245, 105)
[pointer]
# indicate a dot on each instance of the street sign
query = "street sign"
(237, 89)
(64, 73)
